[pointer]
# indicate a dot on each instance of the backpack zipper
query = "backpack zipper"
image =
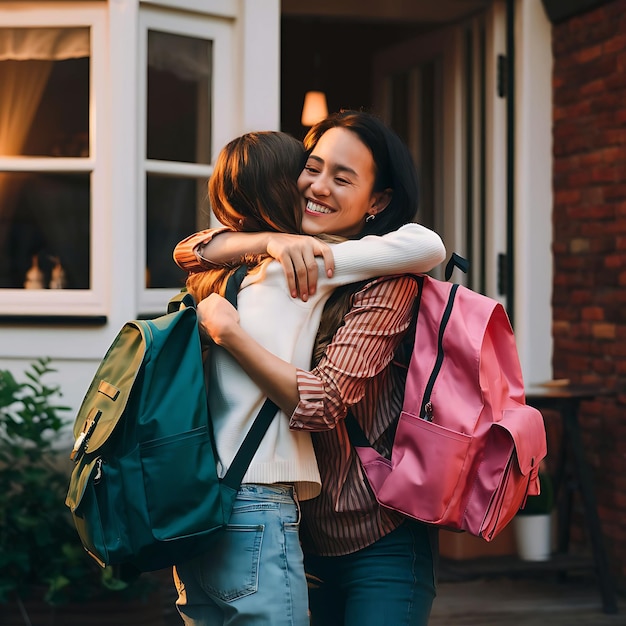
(427, 409)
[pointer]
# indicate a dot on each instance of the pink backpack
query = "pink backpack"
(467, 447)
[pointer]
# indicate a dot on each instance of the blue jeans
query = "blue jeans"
(254, 572)
(390, 583)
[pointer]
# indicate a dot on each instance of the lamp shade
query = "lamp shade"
(315, 108)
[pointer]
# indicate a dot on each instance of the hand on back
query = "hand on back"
(296, 253)
(216, 316)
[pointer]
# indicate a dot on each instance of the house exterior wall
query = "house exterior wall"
(589, 209)
(589, 245)
(248, 98)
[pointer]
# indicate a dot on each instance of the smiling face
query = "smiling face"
(338, 185)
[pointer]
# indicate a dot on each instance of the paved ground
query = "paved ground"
(519, 599)
(537, 600)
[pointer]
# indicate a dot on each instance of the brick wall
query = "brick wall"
(589, 296)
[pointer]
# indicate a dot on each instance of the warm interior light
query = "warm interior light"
(315, 108)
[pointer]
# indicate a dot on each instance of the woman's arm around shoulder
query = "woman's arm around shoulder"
(187, 253)
(412, 249)
(296, 253)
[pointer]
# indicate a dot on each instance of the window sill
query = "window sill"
(53, 320)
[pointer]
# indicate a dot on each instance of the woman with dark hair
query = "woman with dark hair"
(255, 574)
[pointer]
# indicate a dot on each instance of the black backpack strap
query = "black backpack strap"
(456, 260)
(233, 284)
(232, 287)
(250, 444)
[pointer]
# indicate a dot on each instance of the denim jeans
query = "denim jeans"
(254, 572)
(390, 583)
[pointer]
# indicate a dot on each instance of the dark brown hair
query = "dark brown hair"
(393, 165)
(395, 171)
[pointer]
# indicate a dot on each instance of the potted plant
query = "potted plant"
(533, 523)
(42, 562)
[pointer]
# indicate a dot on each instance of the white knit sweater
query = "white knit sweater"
(287, 327)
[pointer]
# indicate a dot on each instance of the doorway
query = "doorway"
(440, 92)
(436, 85)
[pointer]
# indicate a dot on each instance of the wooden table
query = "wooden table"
(565, 399)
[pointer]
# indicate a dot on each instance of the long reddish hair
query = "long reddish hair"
(253, 188)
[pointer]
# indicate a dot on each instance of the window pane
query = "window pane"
(44, 95)
(44, 223)
(172, 207)
(179, 96)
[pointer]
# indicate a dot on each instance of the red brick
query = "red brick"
(593, 313)
(615, 192)
(591, 195)
(589, 244)
(607, 174)
(617, 81)
(567, 196)
(585, 55)
(617, 227)
(612, 137)
(603, 331)
(615, 44)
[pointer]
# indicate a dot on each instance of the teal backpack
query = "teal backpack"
(144, 491)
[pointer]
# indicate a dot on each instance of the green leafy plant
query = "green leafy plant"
(39, 546)
(542, 503)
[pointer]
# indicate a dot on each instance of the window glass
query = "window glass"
(44, 231)
(44, 112)
(44, 95)
(179, 84)
(173, 204)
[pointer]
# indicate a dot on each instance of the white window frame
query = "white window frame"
(223, 118)
(534, 267)
(70, 302)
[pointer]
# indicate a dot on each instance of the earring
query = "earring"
(370, 218)
(241, 222)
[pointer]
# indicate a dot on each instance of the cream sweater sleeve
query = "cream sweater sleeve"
(412, 249)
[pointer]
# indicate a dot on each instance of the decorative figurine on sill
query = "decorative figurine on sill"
(58, 279)
(34, 276)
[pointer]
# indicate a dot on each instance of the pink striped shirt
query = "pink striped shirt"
(357, 371)
(186, 251)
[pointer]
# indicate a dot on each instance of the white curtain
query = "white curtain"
(21, 87)
(26, 59)
(44, 44)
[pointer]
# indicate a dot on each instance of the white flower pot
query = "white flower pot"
(533, 536)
